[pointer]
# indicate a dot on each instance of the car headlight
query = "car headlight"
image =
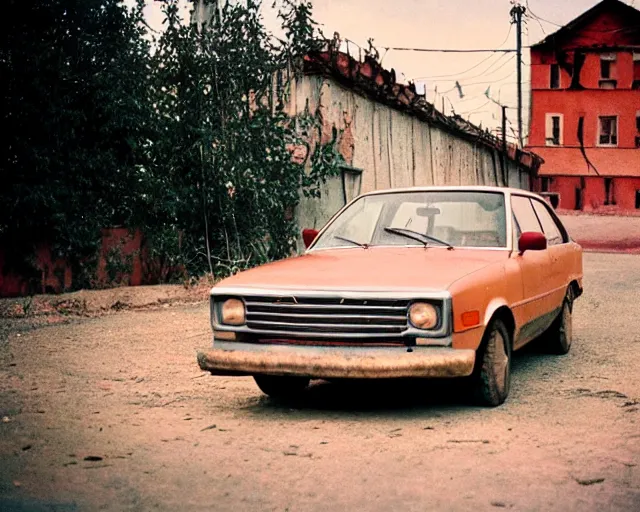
(232, 312)
(423, 315)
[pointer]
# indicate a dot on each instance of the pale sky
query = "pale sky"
(456, 24)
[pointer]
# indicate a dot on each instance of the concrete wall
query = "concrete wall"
(394, 149)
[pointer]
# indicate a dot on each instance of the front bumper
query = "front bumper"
(238, 358)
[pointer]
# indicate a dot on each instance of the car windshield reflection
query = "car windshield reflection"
(425, 219)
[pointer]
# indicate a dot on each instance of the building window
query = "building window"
(636, 70)
(578, 199)
(605, 67)
(554, 79)
(609, 197)
(546, 181)
(554, 130)
(608, 131)
(638, 129)
(637, 199)
(608, 71)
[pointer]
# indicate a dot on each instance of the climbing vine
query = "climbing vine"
(233, 161)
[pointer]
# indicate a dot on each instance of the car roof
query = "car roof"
(460, 188)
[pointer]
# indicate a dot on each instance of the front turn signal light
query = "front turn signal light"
(470, 318)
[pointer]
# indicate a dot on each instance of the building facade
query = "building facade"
(585, 111)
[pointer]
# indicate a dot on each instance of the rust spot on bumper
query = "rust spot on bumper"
(229, 358)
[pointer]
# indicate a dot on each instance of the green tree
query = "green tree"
(75, 115)
(184, 135)
(224, 158)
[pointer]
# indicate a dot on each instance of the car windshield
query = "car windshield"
(428, 218)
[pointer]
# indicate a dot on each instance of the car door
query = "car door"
(559, 252)
(533, 312)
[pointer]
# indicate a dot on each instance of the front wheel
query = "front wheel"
(281, 387)
(492, 375)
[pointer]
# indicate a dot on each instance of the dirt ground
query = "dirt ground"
(112, 413)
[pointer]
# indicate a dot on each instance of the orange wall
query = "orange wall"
(589, 74)
(622, 163)
(590, 104)
(594, 193)
(607, 30)
(121, 248)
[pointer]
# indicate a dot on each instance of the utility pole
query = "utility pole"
(516, 16)
(203, 12)
(504, 129)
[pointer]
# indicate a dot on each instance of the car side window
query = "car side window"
(525, 214)
(551, 231)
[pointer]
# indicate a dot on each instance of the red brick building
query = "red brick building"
(585, 110)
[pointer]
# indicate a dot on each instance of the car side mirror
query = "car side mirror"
(532, 241)
(309, 235)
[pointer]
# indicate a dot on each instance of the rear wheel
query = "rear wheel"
(281, 387)
(492, 375)
(558, 337)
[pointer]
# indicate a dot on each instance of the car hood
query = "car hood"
(373, 269)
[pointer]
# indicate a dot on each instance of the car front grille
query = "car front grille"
(310, 317)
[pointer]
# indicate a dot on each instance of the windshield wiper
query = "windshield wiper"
(360, 244)
(420, 237)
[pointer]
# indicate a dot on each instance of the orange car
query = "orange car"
(421, 282)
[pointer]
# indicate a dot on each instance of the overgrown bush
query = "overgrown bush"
(75, 113)
(181, 134)
(224, 157)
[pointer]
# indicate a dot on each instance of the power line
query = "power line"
(508, 61)
(478, 83)
(609, 31)
(482, 73)
(618, 148)
(531, 15)
(471, 68)
(497, 69)
(476, 96)
(539, 19)
(448, 50)
(456, 74)
(475, 109)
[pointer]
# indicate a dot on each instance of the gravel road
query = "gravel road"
(113, 413)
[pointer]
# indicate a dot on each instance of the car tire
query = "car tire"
(281, 387)
(558, 338)
(492, 375)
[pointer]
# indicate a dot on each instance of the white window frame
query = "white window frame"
(617, 118)
(548, 130)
